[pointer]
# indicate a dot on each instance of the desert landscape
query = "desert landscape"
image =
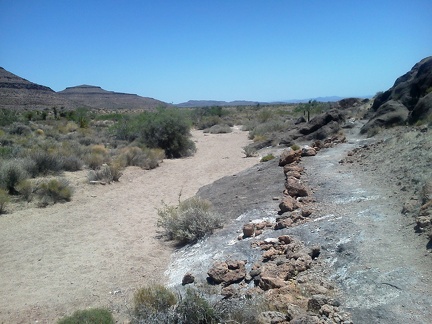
(324, 209)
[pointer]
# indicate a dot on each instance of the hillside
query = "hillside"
(96, 97)
(18, 93)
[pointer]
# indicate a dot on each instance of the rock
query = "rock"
(316, 302)
(300, 120)
(409, 89)
(285, 239)
(227, 273)
(188, 279)
(422, 110)
(318, 122)
(248, 230)
(308, 151)
(389, 114)
(293, 168)
(289, 156)
(423, 221)
(294, 174)
(306, 319)
(228, 292)
(271, 317)
(288, 204)
(268, 282)
(295, 188)
(305, 212)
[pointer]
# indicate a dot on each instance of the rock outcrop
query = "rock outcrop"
(412, 91)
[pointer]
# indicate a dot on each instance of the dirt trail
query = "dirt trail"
(97, 249)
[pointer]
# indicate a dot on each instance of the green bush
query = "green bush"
(190, 221)
(106, 173)
(44, 163)
(250, 151)
(4, 200)
(72, 163)
(195, 309)
(25, 189)
(168, 129)
(153, 298)
(267, 157)
(53, 191)
(145, 158)
(8, 117)
(11, 174)
(89, 316)
(295, 147)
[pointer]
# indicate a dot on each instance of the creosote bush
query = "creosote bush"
(89, 316)
(4, 200)
(11, 174)
(53, 191)
(106, 173)
(154, 303)
(267, 157)
(190, 221)
(249, 151)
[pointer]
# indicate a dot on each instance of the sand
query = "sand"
(96, 250)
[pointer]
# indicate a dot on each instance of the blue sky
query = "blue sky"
(222, 50)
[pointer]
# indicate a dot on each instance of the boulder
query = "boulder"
(188, 279)
(289, 156)
(391, 113)
(293, 167)
(295, 188)
(308, 151)
(422, 110)
(320, 121)
(271, 317)
(248, 230)
(288, 204)
(227, 273)
(409, 89)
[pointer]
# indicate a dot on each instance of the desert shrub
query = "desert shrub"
(4, 200)
(126, 129)
(44, 163)
(106, 173)
(266, 128)
(8, 117)
(207, 121)
(267, 157)
(19, 129)
(193, 308)
(145, 158)
(89, 316)
(94, 160)
(190, 221)
(168, 129)
(25, 189)
(154, 302)
(295, 147)
(53, 191)
(11, 174)
(39, 132)
(218, 129)
(72, 163)
(6, 152)
(249, 151)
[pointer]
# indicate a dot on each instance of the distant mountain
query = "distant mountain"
(19, 93)
(96, 97)
(211, 103)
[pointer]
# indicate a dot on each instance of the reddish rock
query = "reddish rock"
(308, 151)
(306, 212)
(294, 174)
(289, 156)
(288, 204)
(295, 188)
(269, 282)
(285, 239)
(227, 273)
(293, 167)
